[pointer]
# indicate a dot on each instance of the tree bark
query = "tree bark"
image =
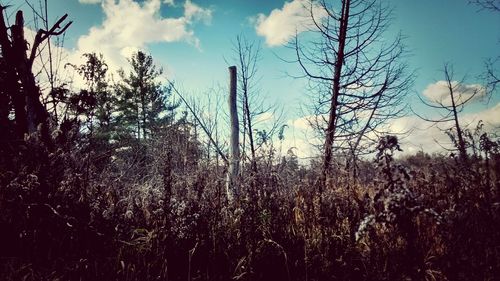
(234, 163)
(332, 118)
(462, 150)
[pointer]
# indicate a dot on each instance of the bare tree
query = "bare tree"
(210, 130)
(248, 55)
(490, 75)
(358, 77)
(493, 5)
(451, 105)
(253, 105)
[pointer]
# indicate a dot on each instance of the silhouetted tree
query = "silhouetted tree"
(20, 94)
(94, 103)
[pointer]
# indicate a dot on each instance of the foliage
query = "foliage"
(159, 211)
(151, 205)
(141, 105)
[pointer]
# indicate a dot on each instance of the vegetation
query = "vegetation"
(115, 182)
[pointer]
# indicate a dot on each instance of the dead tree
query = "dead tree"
(358, 80)
(234, 163)
(253, 106)
(491, 74)
(204, 126)
(21, 84)
(248, 55)
(493, 5)
(451, 105)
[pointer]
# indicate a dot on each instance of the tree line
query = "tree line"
(126, 179)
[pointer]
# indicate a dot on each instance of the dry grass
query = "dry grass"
(158, 212)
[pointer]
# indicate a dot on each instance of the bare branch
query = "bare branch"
(42, 35)
(200, 122)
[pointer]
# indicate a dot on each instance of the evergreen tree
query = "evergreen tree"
(142, 100)
(95, 102)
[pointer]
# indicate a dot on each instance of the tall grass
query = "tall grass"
(158, 211)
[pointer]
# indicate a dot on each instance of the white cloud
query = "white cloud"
(282, 24)
(301, 137)
(414, 133)
(439, 92)
(429, 137)
(197, 13)
(301, 147)
(488, 116)
(303, 123)
(129, 25)
(41, 63)
(265, 117)
(168, 2)
(90, 1)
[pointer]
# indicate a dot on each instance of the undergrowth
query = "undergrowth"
(157, 210)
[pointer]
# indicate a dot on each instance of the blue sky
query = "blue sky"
(437, 31)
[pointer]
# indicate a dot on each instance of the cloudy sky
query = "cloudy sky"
(192, 40)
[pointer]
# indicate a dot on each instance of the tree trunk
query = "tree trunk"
(332, 119)
(248, 118)
(11, 85)
(35, 111)
(234, 162)
(25, 96)
(144, 118)
(462, 150)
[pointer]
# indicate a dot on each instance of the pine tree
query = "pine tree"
(142, 100)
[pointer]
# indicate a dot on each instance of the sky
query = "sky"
(193, 41)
